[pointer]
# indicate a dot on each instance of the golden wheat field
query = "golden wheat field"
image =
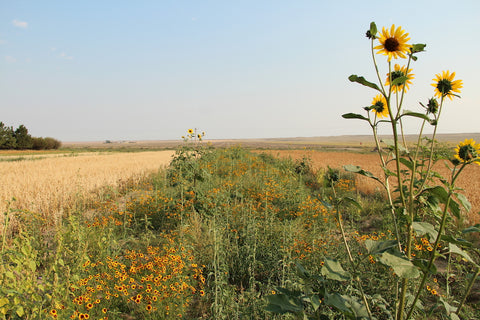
(469, 180)
(51, 185)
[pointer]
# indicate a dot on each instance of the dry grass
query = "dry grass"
(468, 180)
(51, 186)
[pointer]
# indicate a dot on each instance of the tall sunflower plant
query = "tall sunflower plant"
(421, 202)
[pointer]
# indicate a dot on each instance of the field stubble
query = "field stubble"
(53, 185)
(469, 180)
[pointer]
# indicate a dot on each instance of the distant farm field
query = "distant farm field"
(52, 183)
(469, 180)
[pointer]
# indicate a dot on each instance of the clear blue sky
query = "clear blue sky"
(133, 70)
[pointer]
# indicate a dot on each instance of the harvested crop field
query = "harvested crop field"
(468, 180)
(51, 185)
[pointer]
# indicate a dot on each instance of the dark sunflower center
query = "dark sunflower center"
(397, 74)
(379, 106)
(467, 153)
(444, 86)
(392, 44)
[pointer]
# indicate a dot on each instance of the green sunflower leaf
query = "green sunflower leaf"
(359, 170)
(416, 115)
(455, 249)
(418, 47)
(353, 116)
(363, 81)
(400, 265)
(464, 201)
(399, 81)
(475, 228)
(422, 228)
(332, 269)
(377, 247)
(352, 201)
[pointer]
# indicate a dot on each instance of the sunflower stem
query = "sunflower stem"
(437, 240)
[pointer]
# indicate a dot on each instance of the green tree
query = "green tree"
(7, 137)
(24, 140)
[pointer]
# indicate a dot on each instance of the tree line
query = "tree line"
(20, 139)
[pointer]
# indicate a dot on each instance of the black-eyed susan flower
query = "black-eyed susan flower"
(393, 43)
(379, 106)
(445, 86)
(468, 151)
(399, 72)
(190, 131)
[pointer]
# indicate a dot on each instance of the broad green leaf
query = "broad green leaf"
(352, 201)
(377, 247)
(418, 47)
(457, 241)
(422, 228)
(464, 201)
(454, 208)
(359, 170)
(423, 265)
(302, 272)
(314, 301)
(439, 192)
(356, 306)
(361, 80)
(353, 116)
(332, 269)
(407, 163)
(338, 302)
(416, 115)
(448, 308)
(475, 228)
(454, 249)
(399, 81)
(401, 266)
(281, 303)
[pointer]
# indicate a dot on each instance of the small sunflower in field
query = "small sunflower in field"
(379, 106)
(399, 72)
(445, 86)
(393, 43)
(190, 131)
(468, 151)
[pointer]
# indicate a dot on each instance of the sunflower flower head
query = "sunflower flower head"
(393, 43)
(379, 106)
(468, 151)
(190, 131)
(402, 76)
(432, 105)
(445, 86)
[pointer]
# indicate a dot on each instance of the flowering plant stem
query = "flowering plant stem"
(349, 254)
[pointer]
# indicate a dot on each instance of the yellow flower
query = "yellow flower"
(399, 71)
(468, 151)
(190, 131)
(379, 106)
(445, 86)
(393, 43)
